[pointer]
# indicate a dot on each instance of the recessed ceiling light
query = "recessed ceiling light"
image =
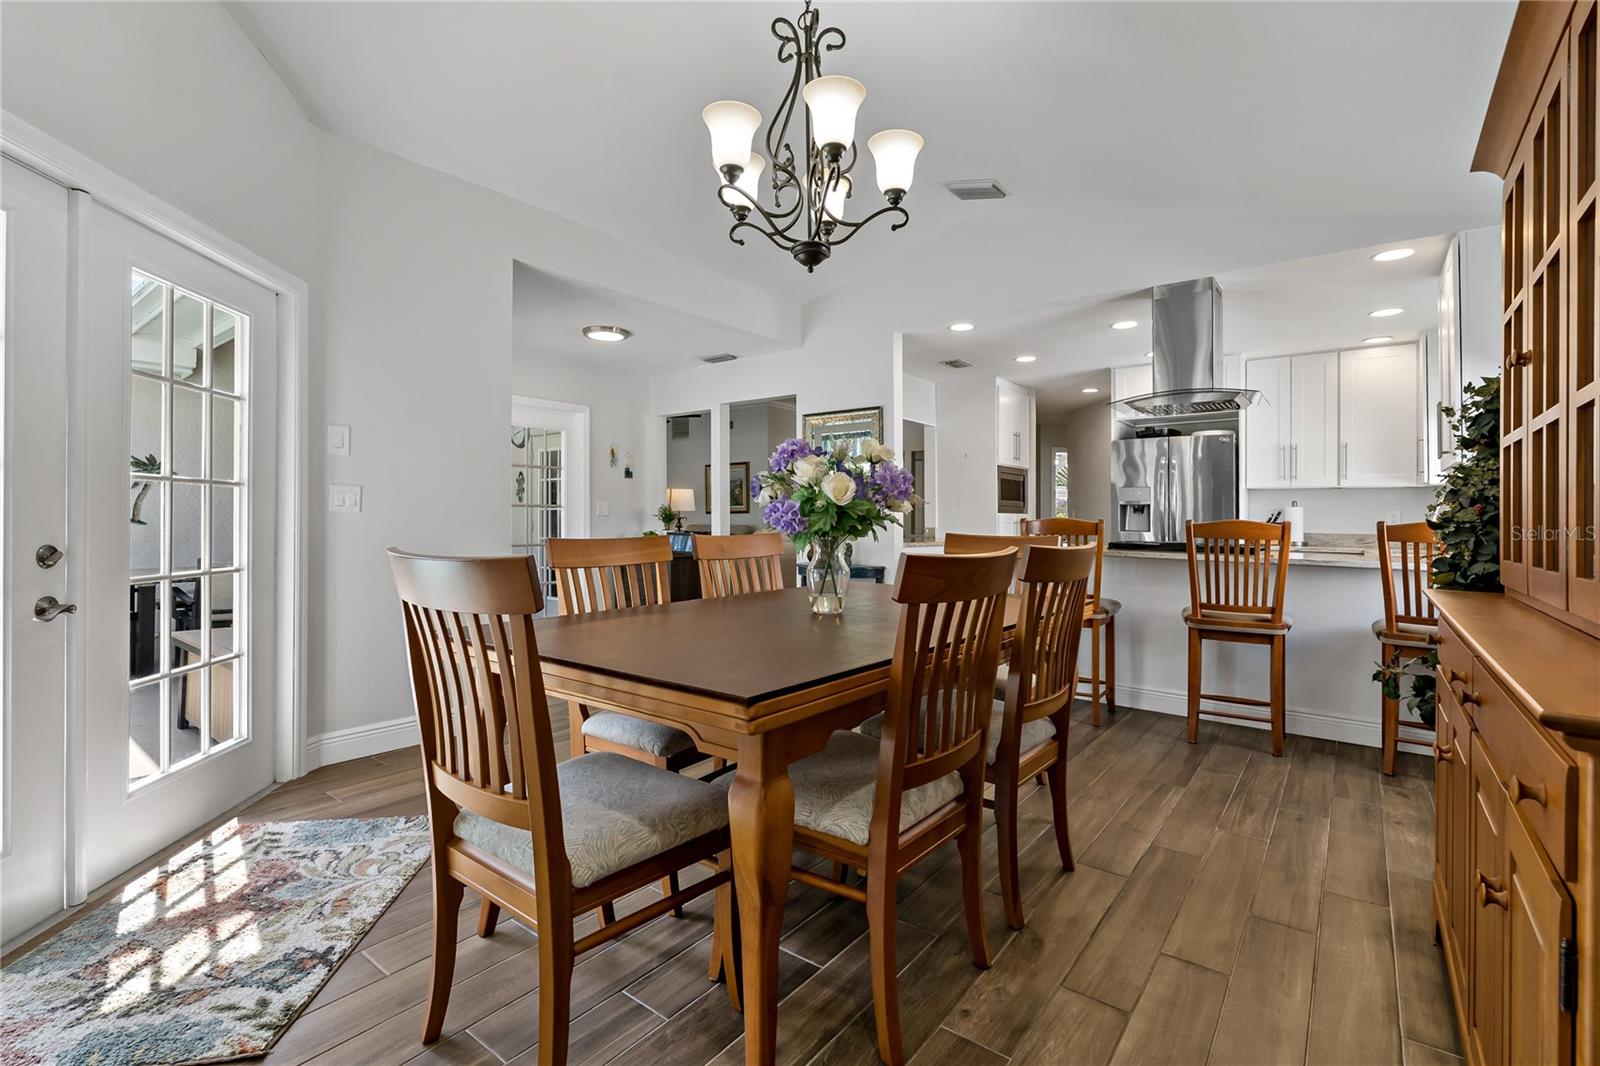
(1375, 340)
(961, 327)
(1386, 312)
(1026, 358)
(1391, 254)
(1149, 355)
(1126, 323)
(1091, 388)
(607, 334)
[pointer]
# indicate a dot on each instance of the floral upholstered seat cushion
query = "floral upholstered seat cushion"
(1034, 733)
(834, 789)
(652, 738)
(615, 812)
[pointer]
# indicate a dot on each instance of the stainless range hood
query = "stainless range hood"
(1186, 321)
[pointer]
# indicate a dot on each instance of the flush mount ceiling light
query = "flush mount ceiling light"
(1375, 340)
(1126, 323)
(607, 334)
(805, 213)
(1090, 389)
(1392, 254)
(1386, 312)
(961, 327)
(1026, 358)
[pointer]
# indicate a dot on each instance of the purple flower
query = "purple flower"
(898, 483)
(790, 450)
(783, 515)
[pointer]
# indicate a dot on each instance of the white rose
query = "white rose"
(810, 469)
(875, 451)
(839, 487)
(766, 495)
(900, 506)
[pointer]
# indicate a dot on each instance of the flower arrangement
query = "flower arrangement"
(824, 500)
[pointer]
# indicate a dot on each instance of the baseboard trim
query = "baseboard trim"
(1318, 724)
(357, 742)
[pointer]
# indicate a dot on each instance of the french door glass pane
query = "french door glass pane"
(186, 516)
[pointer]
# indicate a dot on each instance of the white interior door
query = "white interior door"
(33, 469)
(180, 460)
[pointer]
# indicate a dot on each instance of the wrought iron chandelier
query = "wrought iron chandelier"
(805, 214)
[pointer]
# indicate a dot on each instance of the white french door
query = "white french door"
(33, 318)
(179, 448)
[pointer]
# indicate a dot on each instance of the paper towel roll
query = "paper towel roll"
(1296, 517)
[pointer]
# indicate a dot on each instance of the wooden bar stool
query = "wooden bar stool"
(1409, 628)
(1100, 612)
(1238, 571)
(737, 565)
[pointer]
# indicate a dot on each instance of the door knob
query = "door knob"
(45, 608)
(47, 555)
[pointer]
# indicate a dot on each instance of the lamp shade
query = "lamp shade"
(680, 500)
(833, 199)
(894, 154)
(749, 183)
(834, 100)
(732, 127)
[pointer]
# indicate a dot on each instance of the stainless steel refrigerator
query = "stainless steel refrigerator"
(1158, 483)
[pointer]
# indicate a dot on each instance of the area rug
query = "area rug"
(208, 956)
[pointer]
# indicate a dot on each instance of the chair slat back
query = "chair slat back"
(479, 692)
(1074, 532)
(1408, 548)
(610, 573)
(1238, 567)
(984, 543)
(736, 565)
(1044, 655)
(941, 683)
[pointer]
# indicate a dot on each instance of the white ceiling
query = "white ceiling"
(550, 313)
(1290, 121)
(1316, 304)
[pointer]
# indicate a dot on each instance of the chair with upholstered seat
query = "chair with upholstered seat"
(1099, 613)
(1238, 574)
(882, 805)
(1409, 628)
(738, 565)
(541, 840)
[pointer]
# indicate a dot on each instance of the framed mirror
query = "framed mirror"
(829, 429)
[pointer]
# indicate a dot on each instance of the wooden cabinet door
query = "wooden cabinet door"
(1538, 917)
(1452, 810)
(1267, 423)
(1380, 417)
(1583, 433)
(1314, 420)
(1486, 981)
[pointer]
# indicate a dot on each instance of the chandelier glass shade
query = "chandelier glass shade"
(802, 204)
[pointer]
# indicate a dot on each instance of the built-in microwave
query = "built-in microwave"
(1012, 490)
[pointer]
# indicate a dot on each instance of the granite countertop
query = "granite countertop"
(1347, 557)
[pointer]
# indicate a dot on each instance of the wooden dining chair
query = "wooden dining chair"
(879, 806)
(1238, 574)
(736, 565)
(1409, 628)
(1100, 612)
(983, 543)
(1028, 729)
(543, 840)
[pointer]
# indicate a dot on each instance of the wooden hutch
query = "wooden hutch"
(1517, 756)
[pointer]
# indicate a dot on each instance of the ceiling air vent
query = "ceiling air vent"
(981, 189)
(955, 364)
(680, 428)
(722, 357)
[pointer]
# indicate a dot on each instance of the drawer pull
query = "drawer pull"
(1470, 699)
(1453, 678)
(1520, 790)
(1443, 753)
(1490, 890)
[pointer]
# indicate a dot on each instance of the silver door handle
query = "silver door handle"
(1422, 462)
(1283, 462)
(1344, 461)
(46, 608)
(1294, 462)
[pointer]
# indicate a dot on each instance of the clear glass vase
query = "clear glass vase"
(828, 575)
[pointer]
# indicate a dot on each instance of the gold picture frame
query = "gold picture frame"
(738, 488)
(828, 429)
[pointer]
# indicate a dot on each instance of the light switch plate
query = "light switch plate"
(344, 499)
(602, 509)
(338, 439)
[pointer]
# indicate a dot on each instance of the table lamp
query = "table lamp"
(680, 500)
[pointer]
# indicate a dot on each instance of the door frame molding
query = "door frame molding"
(89, 181)
(574, 419)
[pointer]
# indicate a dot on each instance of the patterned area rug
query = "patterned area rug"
(210, 955)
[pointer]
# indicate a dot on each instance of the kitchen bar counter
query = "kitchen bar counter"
(1310, 556)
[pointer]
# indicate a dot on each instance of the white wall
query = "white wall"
(1345, 510)
(1086, 434)
(920, 399)
(964, 474)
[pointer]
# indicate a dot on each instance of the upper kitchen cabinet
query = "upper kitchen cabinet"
(1381, 441)
(1013, 422)
(1293, 430)
(1132, 381)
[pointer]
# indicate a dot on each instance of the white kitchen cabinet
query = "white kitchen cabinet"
(1381, 435)
(1132, 381)
(1267, 429)
(1013, 410)
(1292, 431)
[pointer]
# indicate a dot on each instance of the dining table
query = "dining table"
(760, 681)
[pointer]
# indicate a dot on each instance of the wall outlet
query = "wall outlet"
(338, 439)
(344, 499)
(602, 509)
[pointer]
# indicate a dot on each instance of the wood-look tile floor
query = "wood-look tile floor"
(1227, 908)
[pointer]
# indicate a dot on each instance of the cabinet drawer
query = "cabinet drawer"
(1455, 661)
(1538, 779)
